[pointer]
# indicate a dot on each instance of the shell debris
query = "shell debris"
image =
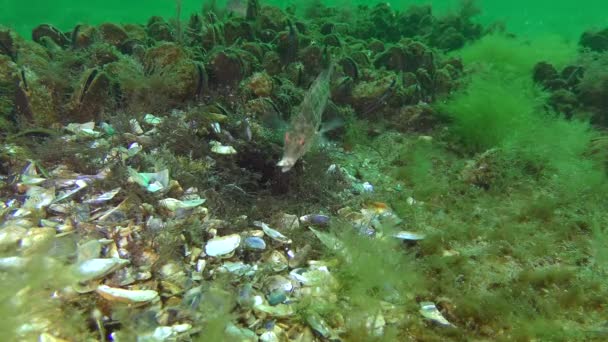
(222, 245)
(114, 294)
(272, 233)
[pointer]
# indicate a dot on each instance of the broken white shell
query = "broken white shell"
(218, 148)
(280, 310)
(272, 233)
(152, 119)
(106, 196)
(80, 184)
(222, 245)
(407, 235)
(86, 129)
(98, 268)
(153, 182)
(135, 127)
(127, 296)
(174, 204)
(429, 310)
(30, 175)
(10, 236)
(13, 263)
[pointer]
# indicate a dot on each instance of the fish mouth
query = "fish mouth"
(286, 164)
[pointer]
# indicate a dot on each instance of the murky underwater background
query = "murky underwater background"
(563, 17)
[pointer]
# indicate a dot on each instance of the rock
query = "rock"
(595, 40)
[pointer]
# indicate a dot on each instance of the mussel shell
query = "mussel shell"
(332, 40)
(91, 96)
(130, 45)
(113, 34)
(229, 67)
(394, 58)
(350, 67)
(341, 93)
(255, 243)
(327, 28)
(312, 57)
(83, 36)
(159, 30)
(46, 30)
(424, 79)
(7, 44)
(237, 29)
(361, 58)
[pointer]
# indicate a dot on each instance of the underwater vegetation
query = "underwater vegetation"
(502, 108)
(459, 194)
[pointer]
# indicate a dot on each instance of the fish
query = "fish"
(304, 127)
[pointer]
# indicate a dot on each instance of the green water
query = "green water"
(540, 17)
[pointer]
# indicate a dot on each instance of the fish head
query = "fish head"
(296, 145)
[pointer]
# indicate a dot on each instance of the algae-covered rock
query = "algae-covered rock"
(272, 18)
(260, 84)
(176, 76)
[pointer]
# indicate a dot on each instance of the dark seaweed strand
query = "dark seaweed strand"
(87, 84)
(212, 17)
(573, 74)
(24, 80)
(292, 41)
(75, 35)
(274, 105)
(201, 80)
(178, 21)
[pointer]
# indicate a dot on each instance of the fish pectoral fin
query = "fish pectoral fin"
(330, 125)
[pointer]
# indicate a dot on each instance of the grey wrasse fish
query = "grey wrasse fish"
(305, 125)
